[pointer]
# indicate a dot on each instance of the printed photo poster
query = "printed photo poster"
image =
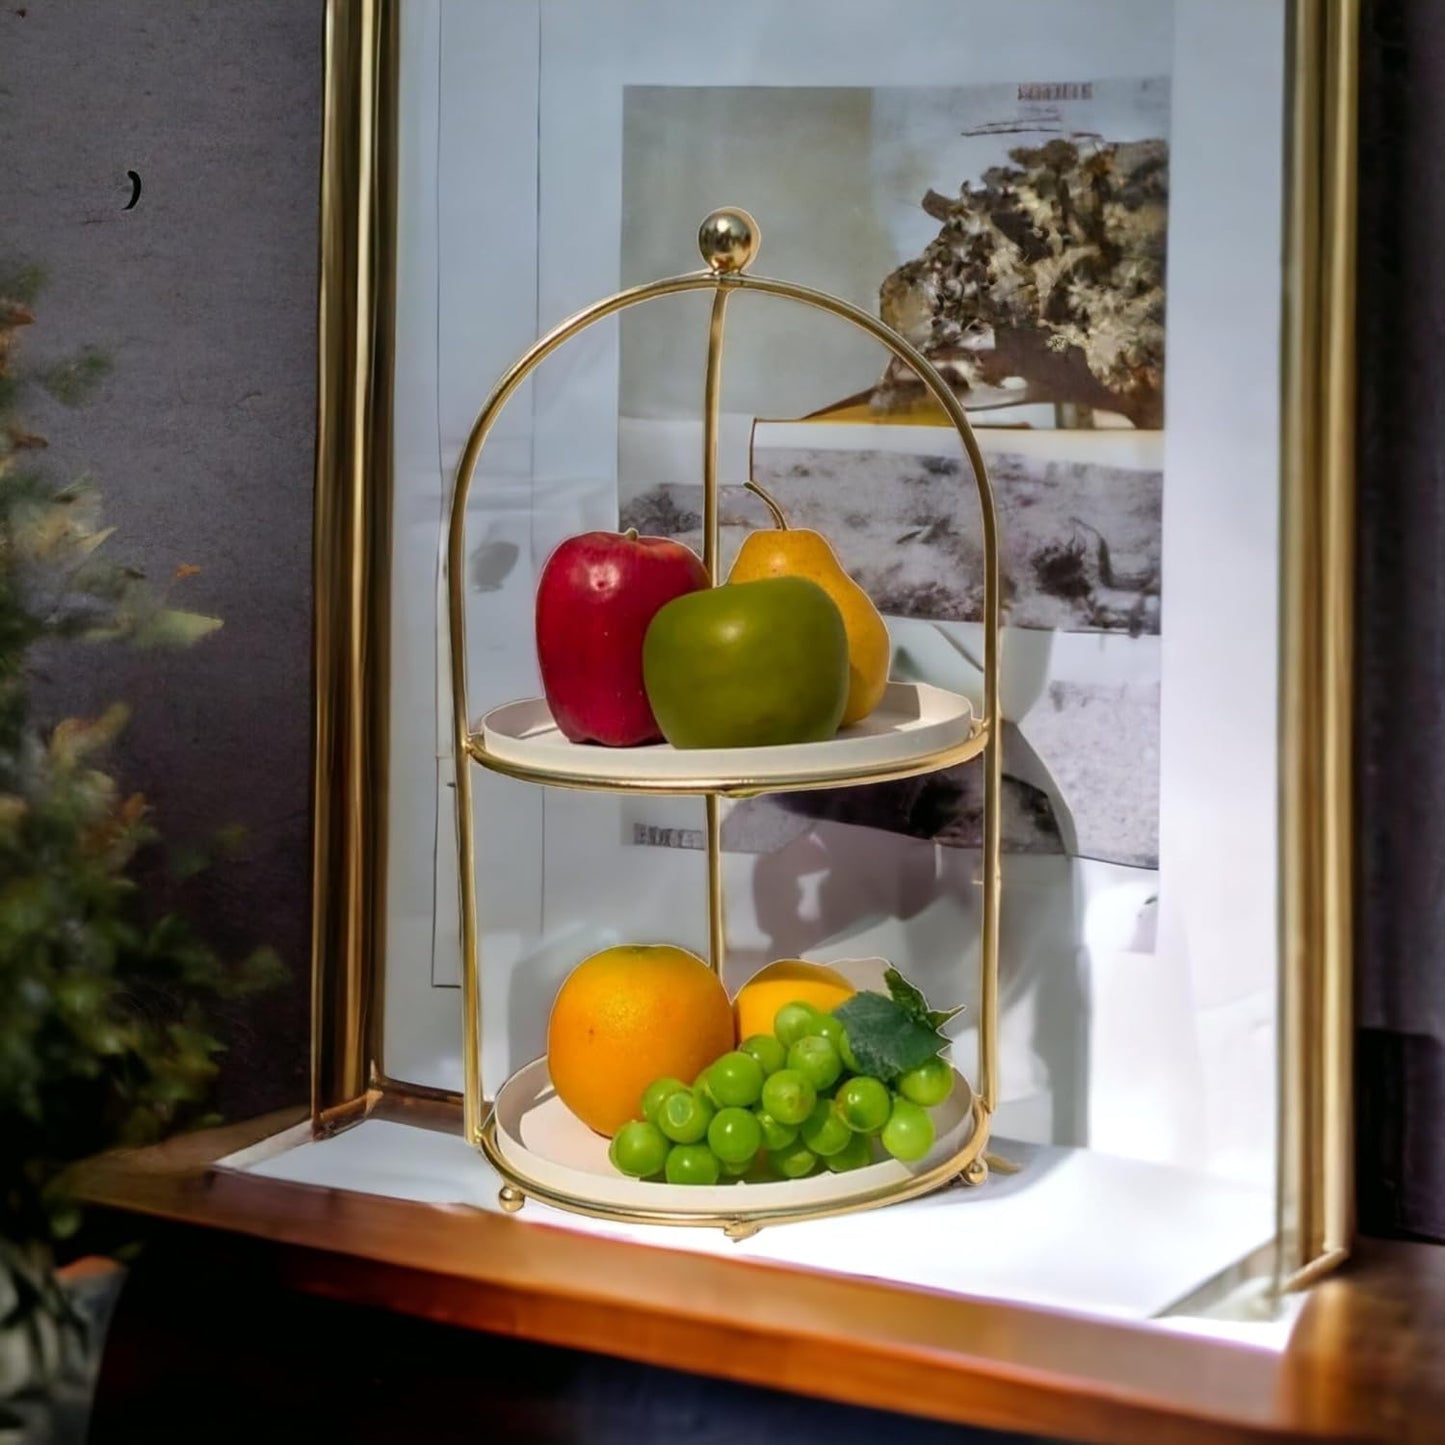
(1015, 233)
(1080, 521)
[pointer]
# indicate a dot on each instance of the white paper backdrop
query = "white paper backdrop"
(511, 219)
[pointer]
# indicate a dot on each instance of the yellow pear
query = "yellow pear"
(785, 551)
(787, 980)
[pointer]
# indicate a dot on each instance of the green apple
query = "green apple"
(748, 665)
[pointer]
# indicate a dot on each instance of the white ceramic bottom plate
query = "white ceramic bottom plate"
(912, 723)
(548, 1146)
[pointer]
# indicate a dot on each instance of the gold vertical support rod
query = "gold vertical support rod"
(351, 551)
(711, 407)
(728, 241)
(711, 559)
(989, 937)
(717, 939)
(992, 889)
(472, 1102)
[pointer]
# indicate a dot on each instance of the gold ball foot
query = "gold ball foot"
(975, 1173)
(741, 1229)
(511, 1198)
(728, 240)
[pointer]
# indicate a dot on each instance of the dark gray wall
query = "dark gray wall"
(1401, 1118)
(201, 441)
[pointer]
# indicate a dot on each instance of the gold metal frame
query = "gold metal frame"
(352, 551)
(1317, 864)
(352, 611)
(728, 240)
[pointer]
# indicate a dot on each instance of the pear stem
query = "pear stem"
(779, 519)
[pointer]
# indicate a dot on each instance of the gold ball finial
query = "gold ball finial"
(728, 240)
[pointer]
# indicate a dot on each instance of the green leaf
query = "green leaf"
(261, 970)
(885, 1038)
(913, 1003)
(72, 382)
(87, 542)
(187, 861)
(64, 1221)
(75, 739)
(169, 628)
(231, 840)
(906, 996)
(21, 281)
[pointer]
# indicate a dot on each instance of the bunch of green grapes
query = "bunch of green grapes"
(781, 1106)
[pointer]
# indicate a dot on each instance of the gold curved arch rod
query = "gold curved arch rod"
(456, 539)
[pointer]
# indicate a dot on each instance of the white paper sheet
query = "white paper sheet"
(479, 175)
(1074, 1230)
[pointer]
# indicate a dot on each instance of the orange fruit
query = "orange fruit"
(627, 1016)
(789, 980)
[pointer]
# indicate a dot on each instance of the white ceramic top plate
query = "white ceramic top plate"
(912, 723)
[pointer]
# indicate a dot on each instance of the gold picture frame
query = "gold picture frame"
(351, 562)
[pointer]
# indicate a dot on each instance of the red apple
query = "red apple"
(596, 596)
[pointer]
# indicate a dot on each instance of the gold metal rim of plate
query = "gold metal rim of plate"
(740, 787)
(967, 1166)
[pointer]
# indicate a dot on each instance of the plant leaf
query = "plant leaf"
(905, 995)
(169, 628)
(186, 861)
(76, 738)
(261, 970)
(72, 382)
(21, 281)
(885, 1038)
(87, 542)
(913, 1003)
(231, 840)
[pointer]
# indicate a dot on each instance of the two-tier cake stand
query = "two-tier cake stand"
(537, 1147)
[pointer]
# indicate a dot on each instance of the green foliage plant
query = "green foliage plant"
(106, 1029)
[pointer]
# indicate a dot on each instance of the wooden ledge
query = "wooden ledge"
(1365, 1361)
